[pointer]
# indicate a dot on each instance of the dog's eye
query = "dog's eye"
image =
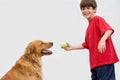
(41, 44)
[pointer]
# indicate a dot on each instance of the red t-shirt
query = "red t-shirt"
(96, 29)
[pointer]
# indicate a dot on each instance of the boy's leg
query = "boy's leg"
(94, 74)
(106, 72)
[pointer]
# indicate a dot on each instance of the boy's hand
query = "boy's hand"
(101, 46)
(68, 47)
(102, 43)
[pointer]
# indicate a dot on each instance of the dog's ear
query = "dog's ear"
(30, 48)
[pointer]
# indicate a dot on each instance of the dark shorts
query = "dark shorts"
(105, 72)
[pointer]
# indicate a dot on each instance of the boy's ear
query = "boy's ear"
(95, 9)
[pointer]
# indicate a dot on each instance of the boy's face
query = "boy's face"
(88, 12)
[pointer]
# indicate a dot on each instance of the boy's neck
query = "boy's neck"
(91, 17)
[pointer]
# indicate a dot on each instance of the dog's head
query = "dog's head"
(39, 48)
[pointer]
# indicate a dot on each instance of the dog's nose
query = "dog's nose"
(51, 43)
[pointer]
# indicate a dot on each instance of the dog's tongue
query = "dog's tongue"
(45, 51)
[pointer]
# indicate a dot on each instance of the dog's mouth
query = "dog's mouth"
(46, 52)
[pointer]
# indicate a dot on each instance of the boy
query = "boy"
(99, 43)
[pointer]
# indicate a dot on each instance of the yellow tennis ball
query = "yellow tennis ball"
(64, 45)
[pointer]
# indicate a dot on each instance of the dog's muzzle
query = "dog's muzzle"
(46, 52)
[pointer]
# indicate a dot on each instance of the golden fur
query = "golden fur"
(28, 67)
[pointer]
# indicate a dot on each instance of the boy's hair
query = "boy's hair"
(88, 3)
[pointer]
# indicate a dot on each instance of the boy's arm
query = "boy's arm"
(102, 44)
(71, 47)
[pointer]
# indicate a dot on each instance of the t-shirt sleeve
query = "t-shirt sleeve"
(84, 44)
(104, 26)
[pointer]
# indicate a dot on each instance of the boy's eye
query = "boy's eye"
(88, 7)
(83, 8)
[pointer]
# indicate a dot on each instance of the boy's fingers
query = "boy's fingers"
(101, 50)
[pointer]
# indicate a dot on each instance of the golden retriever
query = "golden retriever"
(28, 67)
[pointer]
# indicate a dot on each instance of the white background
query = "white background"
(22, 21)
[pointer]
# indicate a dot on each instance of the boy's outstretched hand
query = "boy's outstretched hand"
(66, 46)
